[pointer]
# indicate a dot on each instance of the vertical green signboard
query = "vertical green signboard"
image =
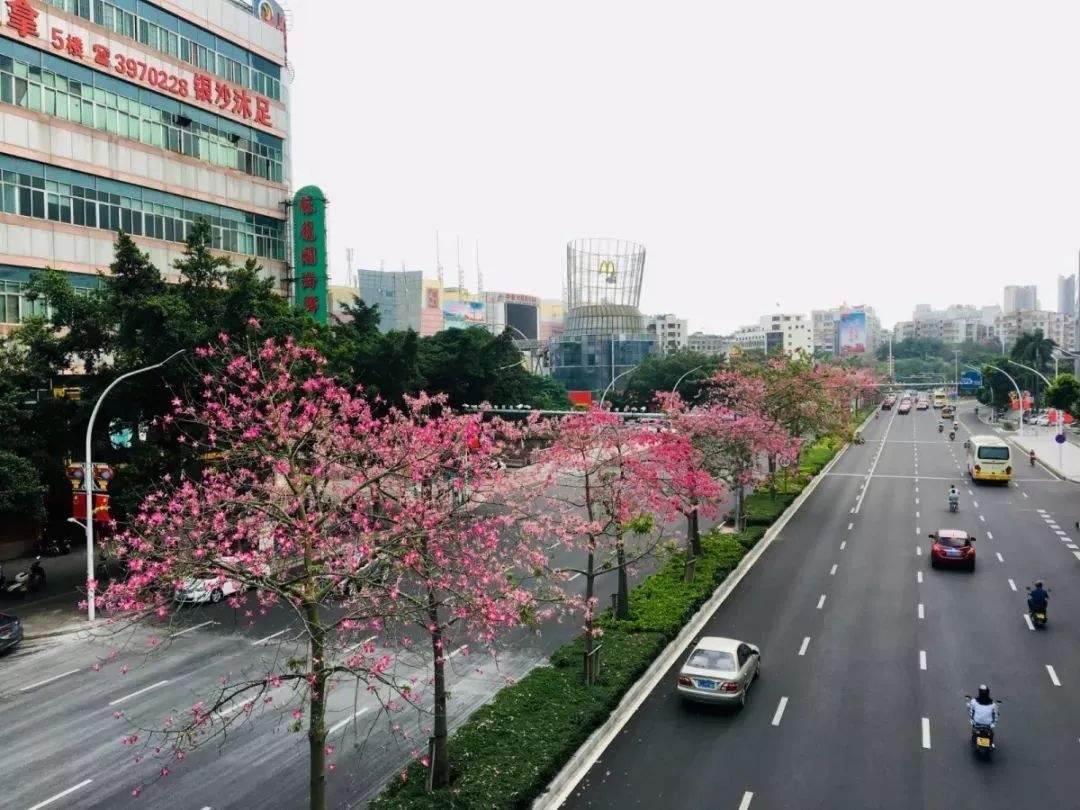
(309, 252)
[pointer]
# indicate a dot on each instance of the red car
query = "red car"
(952, 548)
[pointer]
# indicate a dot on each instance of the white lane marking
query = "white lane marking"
(1024, 494)
(136, 694)
(1059, 533)
(1077, 554)
(918, 531)
(228, 710)
(1041, 511)
(922, 659)
(61, 794)
(982, 518)
(1012, 584)
(48, 680)
(916, 489)
(975, 504)
(922, 612)
(575, 576)
(918, 551)
(916, 501)
(268, 638)
(1000, 558)
(342, 723)
(179, 633)
(926, 732)
(853, 510)
(1053, 675)
(1027, 620)
(1066, 539)
(832, 571)
(457, 651)
(746, 798)
(779, 711)
(918, 577)
(873, 466)
(917, 515)
(821, 602)
(1072, 546)
(989, 536)
(850, 526)
(970, 492)
(805, 644)
(843, 543)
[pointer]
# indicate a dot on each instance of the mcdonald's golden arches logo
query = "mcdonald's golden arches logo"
(608, 271)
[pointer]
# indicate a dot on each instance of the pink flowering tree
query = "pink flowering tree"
(466, 563)
(608, 494)
(731, 432)
(287, 508)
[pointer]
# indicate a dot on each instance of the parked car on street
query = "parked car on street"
(952, 548)
(207, 589)
(11, 631)
(719, 670)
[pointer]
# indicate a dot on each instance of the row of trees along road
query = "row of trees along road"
(392, 535)
(137, 315)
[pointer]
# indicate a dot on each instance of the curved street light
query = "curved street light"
(612, 384)
(88, 479)
(1019, 393)
(684, 376)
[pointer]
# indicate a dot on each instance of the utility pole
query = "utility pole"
(956, 371)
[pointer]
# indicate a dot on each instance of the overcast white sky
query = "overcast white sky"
(791, 152)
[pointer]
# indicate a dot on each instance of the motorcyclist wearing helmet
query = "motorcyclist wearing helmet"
(954, 495)
(1038, 598)
(983, 711)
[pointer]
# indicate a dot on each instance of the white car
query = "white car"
(207, 589)
(1043, 420)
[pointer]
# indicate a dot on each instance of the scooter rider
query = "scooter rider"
(1038, 598)
(1031, 457)
(983, 711)
(954, 495)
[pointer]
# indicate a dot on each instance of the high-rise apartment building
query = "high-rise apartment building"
(1057, 326)
(825, 325)
(1020, 297)
(142, 116)
(669, 333)
(1066, 294)
(794, 330)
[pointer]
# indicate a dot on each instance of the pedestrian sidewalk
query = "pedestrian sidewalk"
(1061, 459)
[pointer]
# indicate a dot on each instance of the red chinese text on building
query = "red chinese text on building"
(204, 88)
(311, 303)
(75, 47)
(307, 257)
(22, 17)
(307, 205)
(241, 103)
(307, 230)
(262, 112)
(101, 55)
(307, 281)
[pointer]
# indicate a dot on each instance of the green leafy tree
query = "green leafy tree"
(658, 375)
(1035, 350)
(1064, 393)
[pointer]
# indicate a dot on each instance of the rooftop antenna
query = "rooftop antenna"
(460, 271)
(349, 253)
(479, 272)
(438, 261)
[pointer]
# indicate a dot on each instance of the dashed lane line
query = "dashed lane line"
(926, 732)
(120, 700)
(747, 797)
(1012, 584)
(779, 711)
(821, 602)
(1053, 675)
(832, 571)
(1027, 621)
(805, 644)
(1000, 558)
(61, 794)
(922, 659)
(922, 611)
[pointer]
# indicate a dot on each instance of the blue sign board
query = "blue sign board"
(971, 379)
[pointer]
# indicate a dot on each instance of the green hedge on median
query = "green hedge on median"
(508, 751)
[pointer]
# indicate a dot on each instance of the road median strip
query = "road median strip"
(537, 737)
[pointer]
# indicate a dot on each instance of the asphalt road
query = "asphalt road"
(62, 741)
(867, 652)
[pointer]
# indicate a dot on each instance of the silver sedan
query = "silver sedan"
(719, 670)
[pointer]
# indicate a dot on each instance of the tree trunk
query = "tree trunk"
(590, 587)
(440, 763)
(317, 712)
(622, 599)
(693, 533)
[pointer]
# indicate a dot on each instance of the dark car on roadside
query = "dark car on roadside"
(11, 632)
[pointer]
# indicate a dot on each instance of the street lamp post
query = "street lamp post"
(612, 384)
(1016, 385)
(684, 376)
(1060, 412)
(88, 480)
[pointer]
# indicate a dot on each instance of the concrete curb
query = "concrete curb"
(560, 788)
